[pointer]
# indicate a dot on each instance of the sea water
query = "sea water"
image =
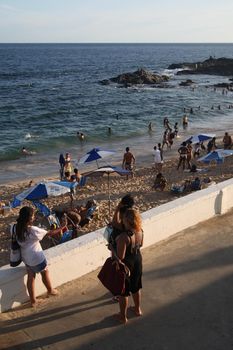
(49, 92)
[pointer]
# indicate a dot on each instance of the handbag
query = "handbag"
(112, 275)
(15, 251)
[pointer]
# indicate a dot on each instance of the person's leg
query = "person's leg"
(180, 160)
(183, 161)
(123, 303)
(47, 282)
(31, 287)
(137, 303)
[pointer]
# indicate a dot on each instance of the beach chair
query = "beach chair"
(67, 234)
(89, 215)
(176, 189)
(42, 208)
(82, 181)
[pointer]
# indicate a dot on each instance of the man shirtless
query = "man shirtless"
(227, 141)
(128, 160)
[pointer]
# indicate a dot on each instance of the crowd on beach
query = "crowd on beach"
(127, 234)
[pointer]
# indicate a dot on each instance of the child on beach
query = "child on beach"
(29, 237)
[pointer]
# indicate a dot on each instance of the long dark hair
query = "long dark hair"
(25, 216)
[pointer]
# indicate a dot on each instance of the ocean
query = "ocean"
(49, 92)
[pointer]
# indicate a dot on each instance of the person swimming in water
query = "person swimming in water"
(26, 152)
(81, 136)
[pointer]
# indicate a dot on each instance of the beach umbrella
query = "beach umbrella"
(95, 154)
(216, 156)
(200, 138)
(109, 169)
(43, 190)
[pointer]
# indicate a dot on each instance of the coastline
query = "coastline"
(97, 188)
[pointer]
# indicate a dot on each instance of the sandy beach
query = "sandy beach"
(97, 188)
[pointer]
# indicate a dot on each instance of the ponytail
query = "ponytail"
(25, 215)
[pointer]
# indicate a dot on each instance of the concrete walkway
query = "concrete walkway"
(187, 302)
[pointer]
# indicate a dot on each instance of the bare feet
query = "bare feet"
(36, 303)
(137, 312)
(53, 292)
(121, 318)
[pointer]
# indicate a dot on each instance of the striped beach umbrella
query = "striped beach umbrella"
(216, 156)
(43, 190)
(94, 155)
(200, 138)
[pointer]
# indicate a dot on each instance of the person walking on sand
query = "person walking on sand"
(68, 165)
(128, 161)
(227, 141)
(28, 238)
(128, 245)
(211, 146)
(183, 151)
(157, 160)
(189, 154)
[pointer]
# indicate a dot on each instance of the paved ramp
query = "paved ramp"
(187, 302)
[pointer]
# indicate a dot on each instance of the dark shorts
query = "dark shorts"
(128, 166)
(38, 268)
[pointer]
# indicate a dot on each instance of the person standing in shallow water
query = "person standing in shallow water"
(62, 163)
(29, 237)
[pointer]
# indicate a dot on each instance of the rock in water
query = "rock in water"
(213, 66)
(139, 77)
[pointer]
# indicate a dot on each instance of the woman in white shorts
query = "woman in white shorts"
(29, 237)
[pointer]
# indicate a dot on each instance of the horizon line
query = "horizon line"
(119, 43)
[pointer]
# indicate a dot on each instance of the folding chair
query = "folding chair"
(89, 215)
(65, 236)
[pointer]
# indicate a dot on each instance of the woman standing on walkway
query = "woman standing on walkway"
(128, 251)
(29, 237)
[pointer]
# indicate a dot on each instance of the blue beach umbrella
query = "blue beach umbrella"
(43, 190)
(216, 156)
(95, 154)
(200, 138)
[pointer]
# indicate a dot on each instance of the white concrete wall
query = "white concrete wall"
(85, 254)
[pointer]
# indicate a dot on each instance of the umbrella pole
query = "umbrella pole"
(109, 201)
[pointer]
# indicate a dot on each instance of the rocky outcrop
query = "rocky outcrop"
(228, 86)
(213, 66)
(187, 82)
(140, 77)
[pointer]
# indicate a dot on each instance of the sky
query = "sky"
(116, 21)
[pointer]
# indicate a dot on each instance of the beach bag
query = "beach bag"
(113, 276)
(15, 251)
